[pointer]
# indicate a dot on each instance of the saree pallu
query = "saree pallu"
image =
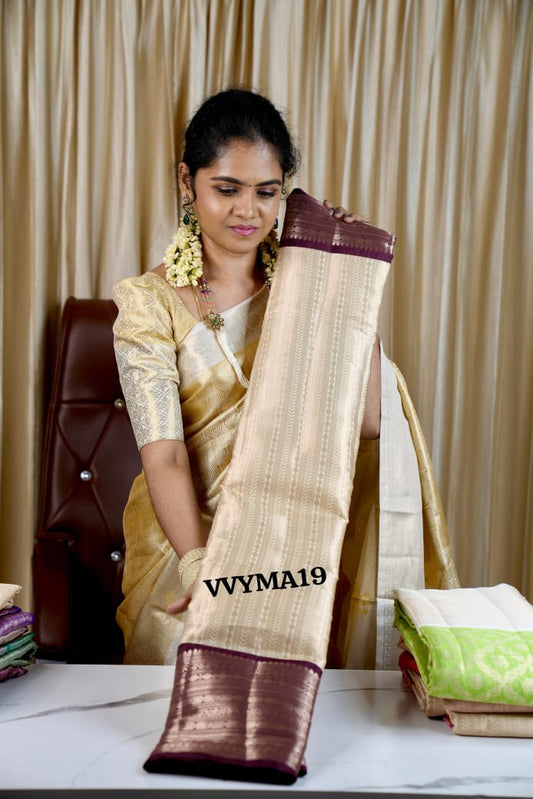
(257, 628)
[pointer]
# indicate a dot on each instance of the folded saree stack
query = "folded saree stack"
(256, 633)
(469, 657)
(17, 646)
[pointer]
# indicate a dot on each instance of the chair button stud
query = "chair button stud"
(119, 404)
(116, 556)
(86, 475)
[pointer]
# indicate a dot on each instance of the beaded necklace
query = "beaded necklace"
(213, 319)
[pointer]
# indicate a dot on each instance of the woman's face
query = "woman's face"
(237, 197)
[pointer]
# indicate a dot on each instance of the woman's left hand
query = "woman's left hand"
(341, 213)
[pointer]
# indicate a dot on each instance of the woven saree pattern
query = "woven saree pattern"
(264, 595)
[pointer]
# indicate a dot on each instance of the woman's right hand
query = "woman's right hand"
(180, 604)
(188, 572)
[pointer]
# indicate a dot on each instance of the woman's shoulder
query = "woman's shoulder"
(149, 294)
(140, 285)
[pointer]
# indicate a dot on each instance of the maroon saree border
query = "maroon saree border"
(309, 224)
(237, 716)
(248, 655)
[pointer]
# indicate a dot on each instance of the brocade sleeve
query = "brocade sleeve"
(146, 337)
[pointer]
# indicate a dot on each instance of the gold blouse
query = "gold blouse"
(163, 353)
(177, 380)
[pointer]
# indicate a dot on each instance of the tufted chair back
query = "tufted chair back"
(89, 462)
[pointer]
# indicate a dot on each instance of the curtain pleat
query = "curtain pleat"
(417, 114)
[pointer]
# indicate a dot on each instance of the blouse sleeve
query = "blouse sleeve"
(145, 348)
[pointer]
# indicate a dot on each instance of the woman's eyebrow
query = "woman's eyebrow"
(228, 179)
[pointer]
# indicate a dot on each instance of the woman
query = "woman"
(185, 339)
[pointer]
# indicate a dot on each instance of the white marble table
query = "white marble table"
(76, 729)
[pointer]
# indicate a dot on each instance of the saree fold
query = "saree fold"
(432, 706)
(474, 644)
(469, 657)
(257, 629)
(8, 592)
(437, 707)
(15, 624)
(492, 725)
(17, 647)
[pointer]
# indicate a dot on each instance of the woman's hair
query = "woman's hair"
(237, 114)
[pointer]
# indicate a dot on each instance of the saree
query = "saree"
(177, 384)
(469, 657)
(470, 644)
(17, 646)
(256, 634)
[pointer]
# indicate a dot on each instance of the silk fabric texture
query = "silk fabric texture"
(250, 660)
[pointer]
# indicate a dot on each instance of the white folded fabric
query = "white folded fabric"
(7, 593)
(498, 607)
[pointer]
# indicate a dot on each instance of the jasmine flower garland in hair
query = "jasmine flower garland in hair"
(183, 257)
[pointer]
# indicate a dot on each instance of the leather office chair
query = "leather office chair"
(90, 460)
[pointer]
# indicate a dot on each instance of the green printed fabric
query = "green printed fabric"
(20, 655)
(477, 664)
(16, 643)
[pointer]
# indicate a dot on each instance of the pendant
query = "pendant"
(214, 320)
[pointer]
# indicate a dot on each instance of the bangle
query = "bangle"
(188, 567)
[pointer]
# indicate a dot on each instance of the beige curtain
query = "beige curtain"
(416, 113)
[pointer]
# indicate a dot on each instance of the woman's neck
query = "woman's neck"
(232, 278)
(228, 269)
